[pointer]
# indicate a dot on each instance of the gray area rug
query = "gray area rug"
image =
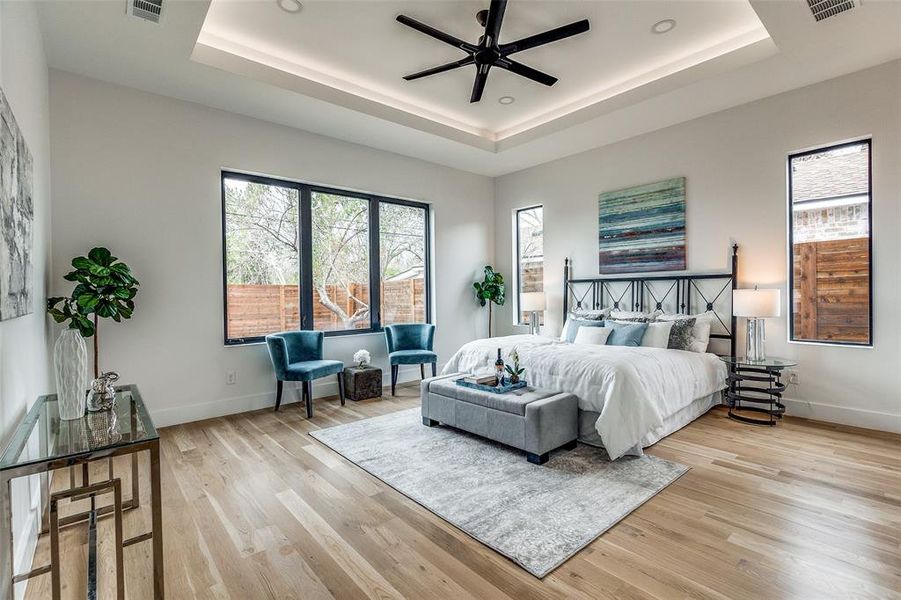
(538, 516)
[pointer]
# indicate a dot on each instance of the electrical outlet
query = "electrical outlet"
(793, 378)
(231, 377)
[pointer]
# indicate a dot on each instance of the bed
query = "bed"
(629, 397)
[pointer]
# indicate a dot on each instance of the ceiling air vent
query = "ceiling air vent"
(823, 9)
(149, 10)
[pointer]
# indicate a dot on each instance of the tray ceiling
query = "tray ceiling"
(358, 48)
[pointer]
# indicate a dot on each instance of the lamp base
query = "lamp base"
(756, 339)
(535, 322)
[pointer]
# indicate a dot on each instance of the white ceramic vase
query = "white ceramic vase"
(70, 360)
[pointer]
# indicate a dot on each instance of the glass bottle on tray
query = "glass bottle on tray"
(499, 368)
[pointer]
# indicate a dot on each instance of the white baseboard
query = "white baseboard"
(238, 404)
(843, 415)
(24, 558)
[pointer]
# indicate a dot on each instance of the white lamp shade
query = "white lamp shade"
(530, 301)
(756, 303)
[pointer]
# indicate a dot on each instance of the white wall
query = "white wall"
(139, 173)
(23, 341)
(735, 164)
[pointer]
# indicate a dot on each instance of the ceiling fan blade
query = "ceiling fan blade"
(438, 35)
(495, 20)
(528, 72)
(441, 69)
(479, 86)
(547, 37)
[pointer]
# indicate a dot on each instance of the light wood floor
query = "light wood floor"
(256, 508)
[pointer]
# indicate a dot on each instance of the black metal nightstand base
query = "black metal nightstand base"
(773, 415)
(755, 390)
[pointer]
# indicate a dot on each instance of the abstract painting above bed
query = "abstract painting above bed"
(642, 228)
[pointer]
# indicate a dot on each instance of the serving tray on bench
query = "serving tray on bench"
(493, 389)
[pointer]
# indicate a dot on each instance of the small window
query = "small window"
(830, 203)
(261, 258)
(529, 256)
(403, 244)
(340, 262)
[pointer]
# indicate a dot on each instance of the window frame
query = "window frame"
(305, 255)
(518, 255)
(868, 141)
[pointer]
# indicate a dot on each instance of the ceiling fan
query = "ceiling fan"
(488, 52)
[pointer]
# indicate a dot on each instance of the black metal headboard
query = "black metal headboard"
(683, 293)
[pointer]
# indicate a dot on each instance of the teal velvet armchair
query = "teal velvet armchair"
(297, 356)
(410, 344)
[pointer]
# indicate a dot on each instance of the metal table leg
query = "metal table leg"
(157, 521)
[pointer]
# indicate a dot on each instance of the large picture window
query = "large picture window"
(830, 207)
(529, 256)
(297, 256)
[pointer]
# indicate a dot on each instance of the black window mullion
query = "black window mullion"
(427, 259)
(375, 271)
(305, 228)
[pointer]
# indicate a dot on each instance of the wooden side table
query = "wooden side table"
(755, 386)
(361, 383)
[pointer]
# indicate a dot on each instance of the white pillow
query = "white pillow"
(657, 335)
(596, 336)
(700, 333)
(584, 315)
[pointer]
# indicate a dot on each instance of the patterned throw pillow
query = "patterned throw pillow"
(633, 316)
(589, 315)
(680, 337)
(630, 319)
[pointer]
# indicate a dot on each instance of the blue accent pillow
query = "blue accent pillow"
(573, 325)
(625, 334)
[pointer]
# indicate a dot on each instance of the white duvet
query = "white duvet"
(633, 389)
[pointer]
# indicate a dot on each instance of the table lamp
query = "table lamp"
(533, 303)
(756, 305)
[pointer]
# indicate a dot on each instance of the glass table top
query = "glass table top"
(43, 436)
(769, 361)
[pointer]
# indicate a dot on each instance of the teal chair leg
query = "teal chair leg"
(341, 387)
(278, 393)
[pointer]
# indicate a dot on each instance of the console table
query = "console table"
(755, 386)
(44, 443)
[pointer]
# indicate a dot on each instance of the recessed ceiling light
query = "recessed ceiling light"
(289, 6)
(664, 26)
(506, 100)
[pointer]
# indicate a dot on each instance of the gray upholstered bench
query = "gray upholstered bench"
(530, 419)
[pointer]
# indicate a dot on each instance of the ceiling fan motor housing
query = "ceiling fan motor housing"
(487, 52)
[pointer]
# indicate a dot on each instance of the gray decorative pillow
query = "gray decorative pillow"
(680, 337)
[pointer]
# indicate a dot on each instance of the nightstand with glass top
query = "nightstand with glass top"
(755, 386)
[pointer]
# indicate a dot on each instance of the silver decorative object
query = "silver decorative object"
(70, 362)
(103, 394)
(103, 428)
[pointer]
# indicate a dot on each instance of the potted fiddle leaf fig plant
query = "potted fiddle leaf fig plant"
(104, 288)
(490, 291)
